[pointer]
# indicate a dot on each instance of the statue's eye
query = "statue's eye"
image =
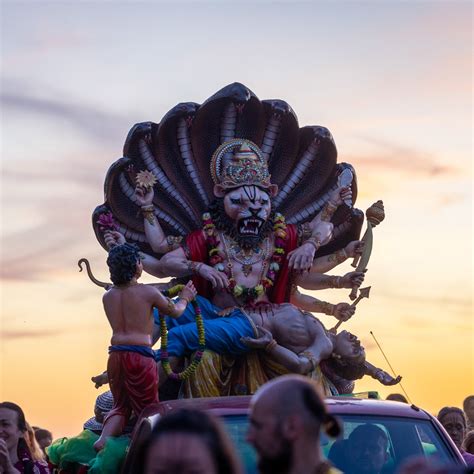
(264, 201)
(236, 201)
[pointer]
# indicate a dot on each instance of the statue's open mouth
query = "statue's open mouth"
(250, 226)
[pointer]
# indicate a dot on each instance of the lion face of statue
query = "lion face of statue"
(249, 208)
(244, 213)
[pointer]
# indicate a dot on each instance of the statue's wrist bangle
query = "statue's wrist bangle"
(327, 308)
(335, 281)
(314, 242)
(185, 299)
(271, 345)
(149, 213)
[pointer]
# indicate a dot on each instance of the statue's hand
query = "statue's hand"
(354, 248)
(218, 279)
(144, 196)
(344, 311)
(113, 238)
(188, 292)
(100, 379)
(339, 195)
(386, 379)
(351, 279)
(301, 259)
(264, 338)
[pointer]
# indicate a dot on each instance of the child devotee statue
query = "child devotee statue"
(131, 365)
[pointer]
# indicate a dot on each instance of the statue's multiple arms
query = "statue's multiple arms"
(301, 259)
(319, 281)
(175, 263)
(341, 311)
(378, 374)
(159, 242)
(167, 306)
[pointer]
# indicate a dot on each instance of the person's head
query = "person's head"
(103, 404)
(12, 425)
(33, 445)
(286, 412)
(397, 397)
(124, 263)
(468, 443)
(468, 406)
(348, 357)
(44, 438)
(189, 442)
(454, 422)
(367, 449)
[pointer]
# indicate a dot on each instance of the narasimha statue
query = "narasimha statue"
(235, 195)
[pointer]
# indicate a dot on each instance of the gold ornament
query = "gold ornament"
(145, 179)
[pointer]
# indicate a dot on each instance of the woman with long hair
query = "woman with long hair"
(15, 456)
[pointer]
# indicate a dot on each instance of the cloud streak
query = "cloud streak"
(395, 157)
(98, 124)
(13, 335)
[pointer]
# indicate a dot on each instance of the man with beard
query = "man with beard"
(286, 418)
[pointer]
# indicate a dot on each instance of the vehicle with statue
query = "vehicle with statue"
(234, 196)
(407, 430)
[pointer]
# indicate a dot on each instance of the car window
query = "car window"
(236, 426)
(386, 442)
(381, 444)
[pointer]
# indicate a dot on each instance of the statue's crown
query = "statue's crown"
(246, 165)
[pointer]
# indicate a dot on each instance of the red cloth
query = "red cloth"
(133, 380)
(280, 293)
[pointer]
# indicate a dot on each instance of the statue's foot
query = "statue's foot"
(99, 444)
(101, 379)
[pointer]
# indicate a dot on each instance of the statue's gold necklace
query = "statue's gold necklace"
(247, 260)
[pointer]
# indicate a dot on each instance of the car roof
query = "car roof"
(234, 405)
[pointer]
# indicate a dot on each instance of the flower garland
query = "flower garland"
(267, 280)
(164, 356)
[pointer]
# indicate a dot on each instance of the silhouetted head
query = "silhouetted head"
(189, 441)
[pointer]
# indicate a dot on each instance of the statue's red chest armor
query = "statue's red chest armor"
(280, 293)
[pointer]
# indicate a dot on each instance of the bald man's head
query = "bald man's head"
(284, 412)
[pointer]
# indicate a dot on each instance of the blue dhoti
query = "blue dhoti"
(223, 333)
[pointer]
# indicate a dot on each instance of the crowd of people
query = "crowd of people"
(287, 419)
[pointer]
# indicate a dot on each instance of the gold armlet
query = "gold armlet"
(328, 211)
(173, 242)
(149, 213)
(271, 345)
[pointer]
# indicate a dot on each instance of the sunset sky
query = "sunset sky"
(391, 80)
